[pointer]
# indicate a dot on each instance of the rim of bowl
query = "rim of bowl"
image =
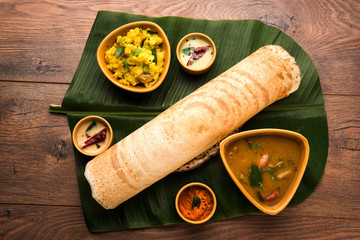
(76, 129)
(272, 210)
(198, 70)
(104, 45)
(190, 185)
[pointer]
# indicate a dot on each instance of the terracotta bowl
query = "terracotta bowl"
(110, 39)
(190, 70)
(304, 145)
(202, 186)
(110, 134)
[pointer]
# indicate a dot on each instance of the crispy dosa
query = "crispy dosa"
(192, 125)
(202, 157)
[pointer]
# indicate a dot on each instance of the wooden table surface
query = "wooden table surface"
(41, 43)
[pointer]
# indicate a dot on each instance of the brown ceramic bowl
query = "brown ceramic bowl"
(189, 69)
(86, 120)
(202, 186)
(110, 39)
(304, 145)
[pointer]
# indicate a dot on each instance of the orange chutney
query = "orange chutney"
(202, 210)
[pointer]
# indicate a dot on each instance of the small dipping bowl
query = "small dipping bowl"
(109, 41)
(187, 187)
(82, 126)
(304, 149)
(205, 62)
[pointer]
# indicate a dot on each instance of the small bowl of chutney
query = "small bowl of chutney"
(92, 135)
(196, 53)
(195, 203)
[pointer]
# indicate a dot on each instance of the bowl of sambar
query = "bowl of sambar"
(267, 165)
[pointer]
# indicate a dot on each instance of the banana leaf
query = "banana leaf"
(91, 93)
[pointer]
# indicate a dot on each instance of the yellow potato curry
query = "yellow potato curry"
(136, 58)
(265, 165)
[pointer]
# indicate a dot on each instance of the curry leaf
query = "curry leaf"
(152, 32)
(153, 51)
(195, 202)
(188, 51)
(119, 51)
(255, 176)
(92, 124)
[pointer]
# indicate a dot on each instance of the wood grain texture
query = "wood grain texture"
(338, 191)
(45, 222)
(37, 162)
(50, 35)
(40, 47)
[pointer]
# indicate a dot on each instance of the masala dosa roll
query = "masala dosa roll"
(192, 125)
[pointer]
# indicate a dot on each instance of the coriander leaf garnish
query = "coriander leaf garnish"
(137, 51)
(270, 170)
(256, 146)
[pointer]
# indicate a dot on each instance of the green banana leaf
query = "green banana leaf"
(91, 93)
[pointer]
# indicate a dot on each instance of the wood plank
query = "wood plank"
(46, 38)
(43, 38)
(38, 163)
(338, 190)
(49, 222)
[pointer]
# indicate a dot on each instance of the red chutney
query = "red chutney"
(199, 212)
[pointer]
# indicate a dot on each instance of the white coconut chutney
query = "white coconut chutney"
(88, 130)
(196, 53)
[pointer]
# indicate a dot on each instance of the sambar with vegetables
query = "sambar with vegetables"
(265, 165)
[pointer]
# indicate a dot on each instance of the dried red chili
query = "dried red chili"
(97, 138)
(198, 53)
